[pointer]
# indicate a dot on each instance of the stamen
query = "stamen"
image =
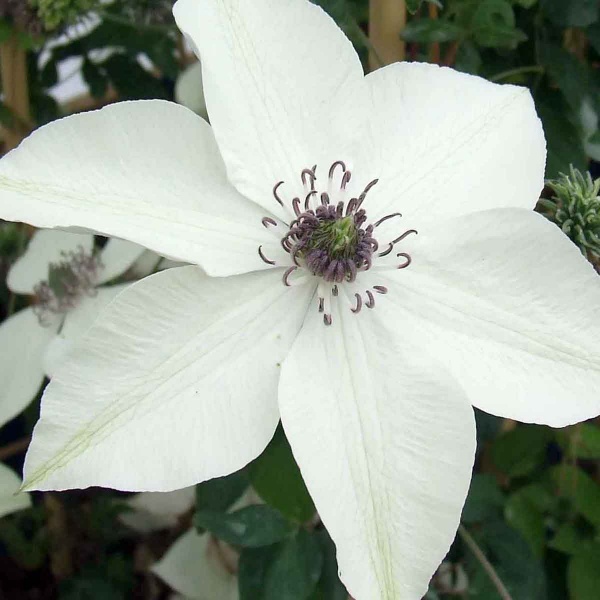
(383, 219)
(337, 163)
(370, 303)
(296, 206)
(263, 257)
(405, 234)
(321, 305)
(327, 319)
(359, 303)
(307, 199)
(380, 289)
(334, 290)
(387, 251)
(408, 260)
(345, 180)
(309, 174)
(266, 221)
(287, 274)
(275, 194)
(362, 197)
(324, 198)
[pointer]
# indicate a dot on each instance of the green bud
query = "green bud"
(575, 208)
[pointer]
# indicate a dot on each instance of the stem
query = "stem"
(13, 67)
(387, 19)
(61, 563)
(484, 562)
(14, 448)
(451, 53)
(517, 71)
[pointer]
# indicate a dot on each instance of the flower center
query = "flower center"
(68, 280)
(330, 238)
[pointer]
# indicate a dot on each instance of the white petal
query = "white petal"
(148, 171)
(280, 80)
(444, 143)
(11, 500)
(77, 321)
(22, 344)
(385, 440)
(509, 304)
(189, 90)
(151, 511)
(117, 257)
(45, 247)
(174, 384)
(192, 567)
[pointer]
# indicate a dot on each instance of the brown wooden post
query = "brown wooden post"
(387, 18)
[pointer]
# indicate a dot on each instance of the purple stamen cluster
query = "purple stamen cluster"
(68, 280)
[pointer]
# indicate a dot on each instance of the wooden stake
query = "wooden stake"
(13, 70)
(434, 48)
(387, 19)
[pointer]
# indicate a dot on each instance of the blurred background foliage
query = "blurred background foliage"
(531, 524)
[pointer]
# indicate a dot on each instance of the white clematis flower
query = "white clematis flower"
(317, 303)
(59, 270)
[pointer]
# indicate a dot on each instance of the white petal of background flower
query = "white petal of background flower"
(117, 257)
(280, 80)
(174, 384)
(45, 247)
(152, 511)
(193, 568)
(147, 171)
(76, 322)
(189, 90)
(23, 342)
(506, 301)
(445, 143)
(385, 440)
(11, 500)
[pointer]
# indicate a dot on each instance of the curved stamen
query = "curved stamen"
(263, 257)
(383, 219)
(266, 221)
(307, 199)
(321, 305)
(337, 163)
(286, 276)
(405, 234)
(296, 206)
(334, 290)
(367, 189)
(386, 252)
(351, 205)
(275, 194)
(359, 304)
(380, 289)
(370, 303)
(327, 319)
(407, 257)
(345, 180)
(324, 198)
(310, 174)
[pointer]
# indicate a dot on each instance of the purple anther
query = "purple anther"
(387, 251)
(405, 234)
(334, 290)
(307, 199)
(296, 206)
(351, 205)
(407, 257)
(345, 180)
(264, 258)
(286, 276)
(359, 303)
(383, 219)
(370, 303)
(321, 304)
(324, 198)
(380, 289)
(266, 221)
(327, 319)
(337, 163)
(275, 194)
(308, 174)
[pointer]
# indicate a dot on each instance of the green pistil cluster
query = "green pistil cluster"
(55, 13)
(339, 238)
(575, 208)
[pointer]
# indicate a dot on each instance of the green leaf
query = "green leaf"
(583, 574)
(131, 79)
(572, 13)
(484, 500)
(288, 571)
(330, 586)
(413, 5)
(494, 25)
(249, 527)
(432, 30)
(580, 441)
(522, 450)
(524, 511)
(580, 489)
(276, 478)
(220, 493)
(563, 137)
(94, 78)
(568, 539)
